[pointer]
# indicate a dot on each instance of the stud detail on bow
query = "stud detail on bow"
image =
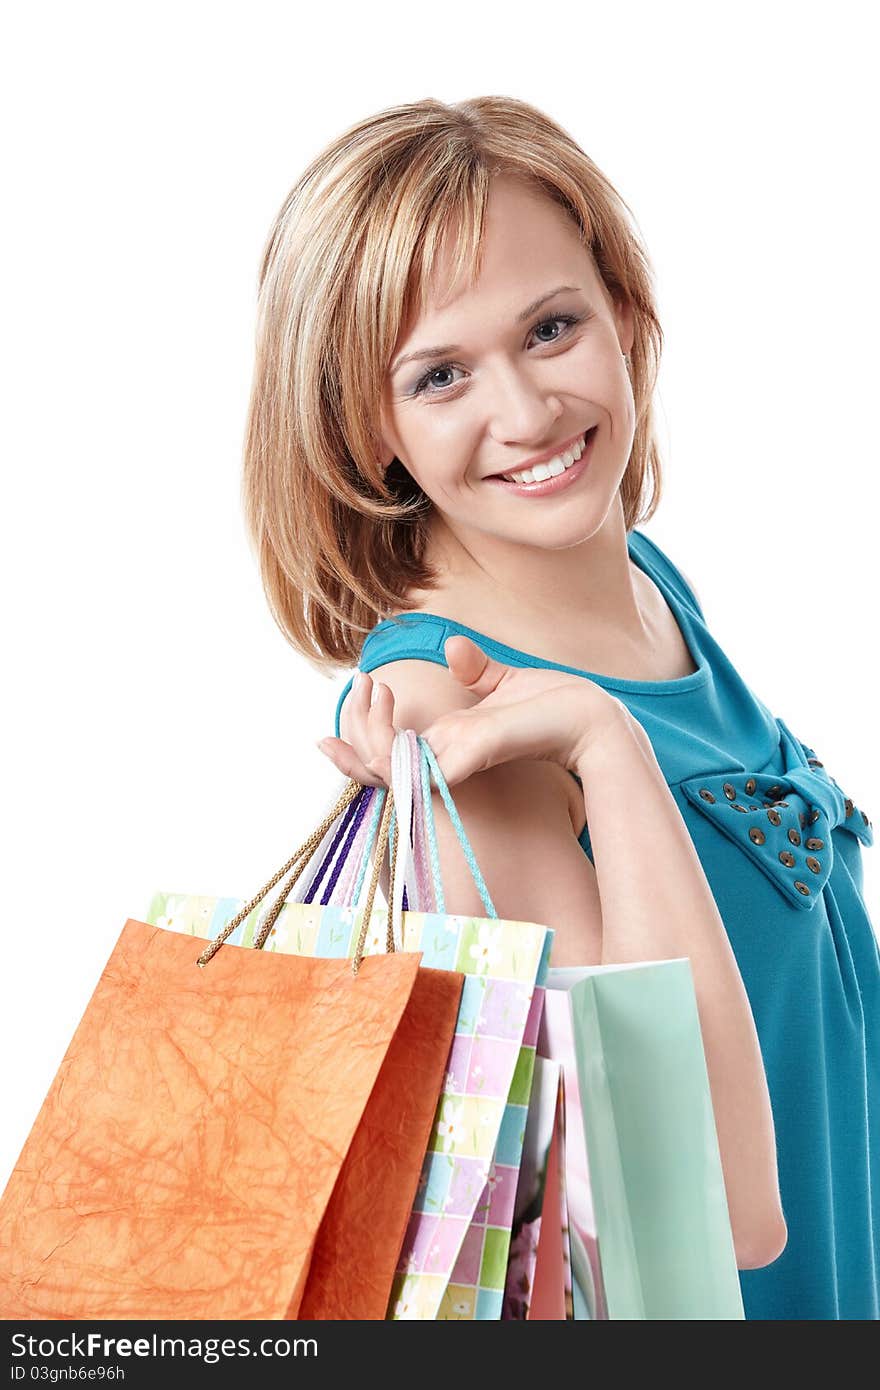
(766, 813)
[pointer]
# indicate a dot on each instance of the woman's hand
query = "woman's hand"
(522, 712)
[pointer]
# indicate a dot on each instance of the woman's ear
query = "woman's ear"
(624, 317)
(386, 438)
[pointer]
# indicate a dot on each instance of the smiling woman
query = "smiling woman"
(351, 522)
(505, 413)
(449, 452)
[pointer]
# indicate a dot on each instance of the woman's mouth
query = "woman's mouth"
(560, 472)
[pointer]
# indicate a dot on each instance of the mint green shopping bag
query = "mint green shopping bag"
(655, 1221)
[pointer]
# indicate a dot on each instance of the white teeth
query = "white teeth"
(551, 469)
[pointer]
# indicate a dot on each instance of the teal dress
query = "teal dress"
(779, 842)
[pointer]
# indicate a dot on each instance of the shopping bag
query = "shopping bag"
(354, 1260)
(649, 1223)
(467, 1182)
(535, 1285)
(457, 1244)
(557, 1036)
(475, 1286)
(359, 1240)
(191, 1142)
(551, 1285)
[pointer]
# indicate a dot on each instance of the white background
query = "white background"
(157, 730)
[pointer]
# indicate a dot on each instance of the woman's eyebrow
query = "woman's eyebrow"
(442, 351)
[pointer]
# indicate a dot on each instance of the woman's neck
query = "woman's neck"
(586, 605)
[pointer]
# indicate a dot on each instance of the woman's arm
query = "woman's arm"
(657, 904)
(646, 899)
(517, 818)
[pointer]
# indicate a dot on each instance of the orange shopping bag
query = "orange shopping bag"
(361, 1236)
(204, 1124)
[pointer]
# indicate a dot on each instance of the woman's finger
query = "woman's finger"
(380, 732)
(357, 711)
(551, 726)
(472, 668)
(364, 730)
(344, 757)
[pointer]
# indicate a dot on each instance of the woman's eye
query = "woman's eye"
(428, 380)
(428, 385)
(565, 319)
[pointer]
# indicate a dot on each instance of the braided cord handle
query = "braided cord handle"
(381, 842)
(430, 766)
(385, 838)
(297, 862)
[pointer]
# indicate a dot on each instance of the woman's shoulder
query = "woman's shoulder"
(424, 692)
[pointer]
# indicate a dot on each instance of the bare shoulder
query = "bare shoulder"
(424, 690)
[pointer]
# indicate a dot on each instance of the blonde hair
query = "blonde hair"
(352, 248)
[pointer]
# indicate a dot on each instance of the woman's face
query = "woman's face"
(516, 384)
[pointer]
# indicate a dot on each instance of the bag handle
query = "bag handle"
(423, 885)
(298, 862)
(356, 851)
(357, 854)
(402, 860)
(428, 767)
(399, 849)
(350, 823)
(346, 880)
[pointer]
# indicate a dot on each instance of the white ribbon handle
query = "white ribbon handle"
(404, 865)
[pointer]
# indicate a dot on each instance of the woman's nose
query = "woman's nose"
(522, 411)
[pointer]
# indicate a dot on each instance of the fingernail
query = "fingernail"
(375, 695)
(358, 682)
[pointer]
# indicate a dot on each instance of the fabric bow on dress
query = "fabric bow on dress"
(783, 819)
